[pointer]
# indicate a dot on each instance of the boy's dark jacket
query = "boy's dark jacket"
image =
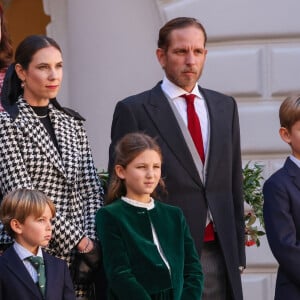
(282, 221)
(17, 284)
(133, 265)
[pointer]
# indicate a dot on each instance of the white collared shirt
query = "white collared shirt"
(23, 253)
(295, 160)
(174, 92)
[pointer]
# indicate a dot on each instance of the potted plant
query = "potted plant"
(253, 196)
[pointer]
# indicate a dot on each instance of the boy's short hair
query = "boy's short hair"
(22, 203)
(289, 112)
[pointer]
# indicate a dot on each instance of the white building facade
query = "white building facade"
(253, 55)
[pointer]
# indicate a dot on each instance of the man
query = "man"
(200, 140)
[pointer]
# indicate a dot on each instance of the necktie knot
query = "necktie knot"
(189, 98)
(36, 261)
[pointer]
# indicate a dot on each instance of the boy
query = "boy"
(27, 272)
(282, 205)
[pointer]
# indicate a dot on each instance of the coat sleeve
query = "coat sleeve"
(89, 186)
(237, 186)
(121, 281)
(69, 291)
(193, 276)
(12, 167)
(280, 226)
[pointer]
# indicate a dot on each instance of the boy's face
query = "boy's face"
(35, 231)
(292, 137)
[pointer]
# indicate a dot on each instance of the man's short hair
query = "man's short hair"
(289, 112)
(177, 23)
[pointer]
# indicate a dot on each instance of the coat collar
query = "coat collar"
(32, 127)
(293, 170)
(16, 266)
(158, 108)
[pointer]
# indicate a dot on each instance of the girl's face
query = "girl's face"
(141, 175)
(43, 77)
(35, 231)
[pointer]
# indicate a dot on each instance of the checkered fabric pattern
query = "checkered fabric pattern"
(28, 158)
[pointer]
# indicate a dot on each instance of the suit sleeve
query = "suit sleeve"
(69, 291)
(124, 121)
(89, 185)
(280, 228)
(237, 188)
(121, 281)
(12, 167)
(193, 276)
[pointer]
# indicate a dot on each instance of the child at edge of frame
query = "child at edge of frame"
(27, 271)
(282, 205)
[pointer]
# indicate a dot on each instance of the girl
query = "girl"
(148, 251)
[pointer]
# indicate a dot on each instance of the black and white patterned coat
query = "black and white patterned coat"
(28, 158)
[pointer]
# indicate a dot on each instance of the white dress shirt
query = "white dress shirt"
(23, 253)
(174, 92)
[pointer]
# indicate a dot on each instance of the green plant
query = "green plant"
(103, 176)
(253, 196)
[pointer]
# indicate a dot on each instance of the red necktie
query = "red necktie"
(194, 125)
(195, 131)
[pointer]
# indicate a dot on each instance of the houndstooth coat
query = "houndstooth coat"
(28, 158)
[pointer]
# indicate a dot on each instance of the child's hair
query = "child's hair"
(126, 150)
(22, 203)
(289, 112)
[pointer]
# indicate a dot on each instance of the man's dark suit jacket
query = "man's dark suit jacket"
(17, 284)
(282, 221)
(151, 113)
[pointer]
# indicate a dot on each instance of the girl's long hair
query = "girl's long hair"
(127, 149)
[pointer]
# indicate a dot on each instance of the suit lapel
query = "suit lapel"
(50, 274)
(16, 266)
(294, 171)
(217, 119)
(163, 117)
(31, 127)
(68, 141)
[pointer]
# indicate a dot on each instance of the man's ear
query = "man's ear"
(285, 135)
(16, 226)
(119, 171)
(20, 72)
(161, 56)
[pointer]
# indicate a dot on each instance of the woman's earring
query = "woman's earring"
(22, 84)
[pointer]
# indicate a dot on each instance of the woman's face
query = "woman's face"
(43, 77)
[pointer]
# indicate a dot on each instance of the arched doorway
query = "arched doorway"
(24, 17)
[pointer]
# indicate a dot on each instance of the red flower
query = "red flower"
(250, 243)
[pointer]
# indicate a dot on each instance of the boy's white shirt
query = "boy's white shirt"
(23, 253)
(295, 160)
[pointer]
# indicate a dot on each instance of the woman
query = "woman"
(44, 147)
(6, 51)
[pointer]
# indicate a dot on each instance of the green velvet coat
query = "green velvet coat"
(133, 265)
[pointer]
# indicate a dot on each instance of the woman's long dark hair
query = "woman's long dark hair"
(127, 149)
